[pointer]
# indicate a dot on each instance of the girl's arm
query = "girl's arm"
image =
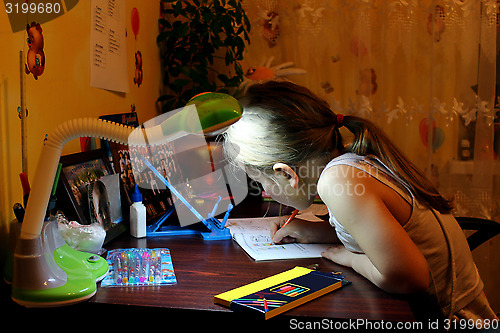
(362, 264)
(391, 260)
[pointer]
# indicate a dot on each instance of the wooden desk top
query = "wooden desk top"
(206, 268)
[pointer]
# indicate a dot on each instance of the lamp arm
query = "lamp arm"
(185, 121)
(49, 160)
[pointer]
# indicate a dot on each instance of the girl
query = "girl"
(387, 221)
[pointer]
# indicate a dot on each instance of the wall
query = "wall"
(398, 63)
(63, 92)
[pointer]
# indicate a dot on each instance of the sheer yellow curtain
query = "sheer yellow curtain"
(424, 71)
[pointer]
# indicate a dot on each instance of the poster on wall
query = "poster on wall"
(108, 62)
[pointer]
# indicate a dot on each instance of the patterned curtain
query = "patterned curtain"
(423, 71)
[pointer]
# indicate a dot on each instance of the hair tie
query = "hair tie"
(340, 120)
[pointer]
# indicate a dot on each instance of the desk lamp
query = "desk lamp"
(47, 272)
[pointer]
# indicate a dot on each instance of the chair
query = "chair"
(485, 229)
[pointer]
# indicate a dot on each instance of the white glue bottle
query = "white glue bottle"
(137, 215)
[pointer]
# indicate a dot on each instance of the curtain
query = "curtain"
(423, 71)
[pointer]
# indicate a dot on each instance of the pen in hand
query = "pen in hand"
(290, 218)
(294, 213)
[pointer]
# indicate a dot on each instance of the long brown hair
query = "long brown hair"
(285, 122)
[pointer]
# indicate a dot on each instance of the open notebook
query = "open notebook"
(253, 235)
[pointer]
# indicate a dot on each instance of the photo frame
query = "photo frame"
(156, 197)
(79, 173)
(157, 201)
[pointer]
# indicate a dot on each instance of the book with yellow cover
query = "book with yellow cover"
(281, 292)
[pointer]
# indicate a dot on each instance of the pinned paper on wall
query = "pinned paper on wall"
(108, 62)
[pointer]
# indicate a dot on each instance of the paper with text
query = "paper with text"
(108, 48)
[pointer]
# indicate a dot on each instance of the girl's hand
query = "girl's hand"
(302, 231)
(295, 231)
(339, 255)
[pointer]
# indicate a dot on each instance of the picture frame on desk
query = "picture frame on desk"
(118, 154)
(156, 197)
(157, 201)
(81, 172)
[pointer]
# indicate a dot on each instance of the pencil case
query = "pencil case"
(139, 267)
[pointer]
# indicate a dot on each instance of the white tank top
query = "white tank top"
(455, 281)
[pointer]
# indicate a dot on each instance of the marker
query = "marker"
(158, 268)
(137, 270)
(118, 269)
(266, 308)
(18, 212)
(125, 268)
(152, 266)
(26, 187)
(131, 267)
(144, 267)
(56, 178)
(290, 218)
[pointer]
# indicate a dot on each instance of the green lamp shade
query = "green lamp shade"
(216, 111)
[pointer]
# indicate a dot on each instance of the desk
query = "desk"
(206, 268)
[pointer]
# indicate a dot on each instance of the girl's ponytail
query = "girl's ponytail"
(369, 140)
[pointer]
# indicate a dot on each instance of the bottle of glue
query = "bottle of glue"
(137, 215)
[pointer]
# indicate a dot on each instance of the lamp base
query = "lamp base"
(80, 273)
(46, 298)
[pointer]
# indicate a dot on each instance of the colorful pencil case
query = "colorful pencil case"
(281, 292)
(139, 267)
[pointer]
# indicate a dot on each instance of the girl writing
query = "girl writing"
(387, 221)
